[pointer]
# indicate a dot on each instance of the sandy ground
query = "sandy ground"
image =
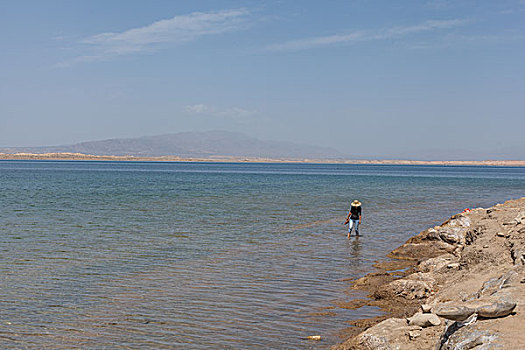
(474, 261)
(80, 156)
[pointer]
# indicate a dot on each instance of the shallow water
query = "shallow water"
(119, 255)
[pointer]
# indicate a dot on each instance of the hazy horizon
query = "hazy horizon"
(414, 80)
(219, 143)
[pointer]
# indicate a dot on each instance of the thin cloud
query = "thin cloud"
(310, 43)
(176, 30)
(424, 27)
(362, 36)
(232, 112)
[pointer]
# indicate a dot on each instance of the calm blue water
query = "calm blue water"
(123, 255)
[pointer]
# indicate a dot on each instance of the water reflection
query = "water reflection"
(355, 246)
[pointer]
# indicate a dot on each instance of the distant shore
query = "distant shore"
(81, 156)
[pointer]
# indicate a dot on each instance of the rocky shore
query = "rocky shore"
(460, 285)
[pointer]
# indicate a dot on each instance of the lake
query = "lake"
(162, 255)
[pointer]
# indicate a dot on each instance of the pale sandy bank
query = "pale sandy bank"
(80, 156)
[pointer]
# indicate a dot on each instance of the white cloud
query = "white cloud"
(463, 40)
(232, 112)
(176, 30)
(197, 109)
(361, 36)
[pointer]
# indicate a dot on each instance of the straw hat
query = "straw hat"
(356, 203)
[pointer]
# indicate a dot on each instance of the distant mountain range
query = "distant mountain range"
(190, 144)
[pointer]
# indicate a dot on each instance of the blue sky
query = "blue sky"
(387, 79)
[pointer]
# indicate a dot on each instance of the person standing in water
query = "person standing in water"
(354, 217)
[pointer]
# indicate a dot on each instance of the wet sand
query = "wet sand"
(474, 261)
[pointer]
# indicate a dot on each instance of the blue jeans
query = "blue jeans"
(353, 223)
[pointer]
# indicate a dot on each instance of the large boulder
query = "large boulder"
(497, 309)
(455, 313)
(466, 338)
(455, 230)
(391, 334)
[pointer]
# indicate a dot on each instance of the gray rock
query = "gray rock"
(454, 231)
(424, 320)
(518, 256)
(510, 278)
(498, 309)
(491, 286)
(461, 221)
(452, 330)
(389, 334)
(466, 339)
(455, 313)
(452, 235)
(426, 308)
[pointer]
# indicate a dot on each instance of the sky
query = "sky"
(434, 79)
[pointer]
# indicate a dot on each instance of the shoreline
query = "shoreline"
(218, 159)
(473, 263)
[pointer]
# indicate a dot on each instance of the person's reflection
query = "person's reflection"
(356, 248)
